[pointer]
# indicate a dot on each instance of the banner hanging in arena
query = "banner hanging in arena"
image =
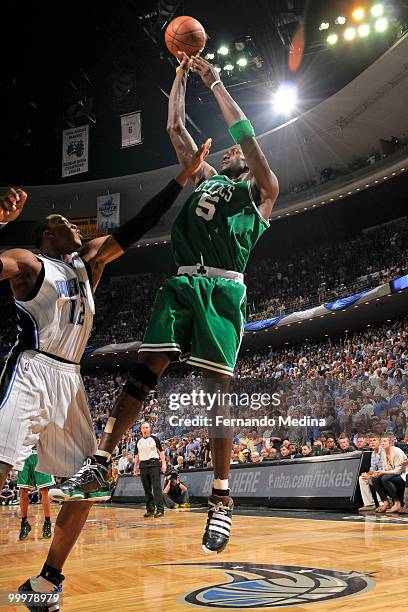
(108, 211)
(131, 126)
(75, 150)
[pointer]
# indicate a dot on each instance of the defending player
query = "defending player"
(42, 397)
(200, 311)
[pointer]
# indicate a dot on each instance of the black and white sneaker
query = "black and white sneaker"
(217, 530)
(44, 596)
(46, 533)
(90, 482)
(24, 530)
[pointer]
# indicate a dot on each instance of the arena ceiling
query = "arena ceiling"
(91, 62)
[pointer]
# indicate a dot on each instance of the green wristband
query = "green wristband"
(241, 130)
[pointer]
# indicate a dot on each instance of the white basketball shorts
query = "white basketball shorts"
(43, 402)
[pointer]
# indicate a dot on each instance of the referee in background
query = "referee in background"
(148, 456)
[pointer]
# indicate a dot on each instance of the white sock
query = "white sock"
(101, 453)
(222, 485)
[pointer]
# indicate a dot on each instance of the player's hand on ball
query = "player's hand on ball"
(206, 70)
(12, 204)
(185, 63)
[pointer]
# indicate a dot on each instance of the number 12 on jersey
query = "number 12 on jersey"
(74, 317)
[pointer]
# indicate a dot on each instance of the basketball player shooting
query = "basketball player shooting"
(201, 311)
(42, 397)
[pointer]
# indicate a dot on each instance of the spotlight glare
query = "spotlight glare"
(341, 20)
(332, 39)
(381, 24)
(358, 14)
(242, 62)
(229, 67)
(218, 68)
(364, 30)
(285, 98)
(325, 25)
(350, 34)
(210, 56)
(377, 10)
(223, 50)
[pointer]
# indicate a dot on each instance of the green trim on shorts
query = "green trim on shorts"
(28, 477)
(202, 317)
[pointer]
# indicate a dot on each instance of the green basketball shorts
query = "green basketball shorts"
(29, 477)
(199, 316)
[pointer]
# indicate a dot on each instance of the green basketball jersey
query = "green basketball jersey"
(218, 225)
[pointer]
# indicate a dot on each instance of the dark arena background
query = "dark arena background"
(318, 400)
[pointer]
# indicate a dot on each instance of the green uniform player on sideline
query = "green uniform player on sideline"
(28, 479)
(201, 311)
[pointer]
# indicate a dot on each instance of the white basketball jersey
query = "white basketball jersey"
(58, 314)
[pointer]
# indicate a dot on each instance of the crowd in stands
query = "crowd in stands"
(327, 272)
(325, 175)
(356, 384)
(339, 390)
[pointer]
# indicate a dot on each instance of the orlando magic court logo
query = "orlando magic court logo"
(251, 585)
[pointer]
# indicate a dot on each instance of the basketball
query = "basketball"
(185, 34)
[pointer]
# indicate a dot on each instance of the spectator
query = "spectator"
(6, 495)
(378, 464)
(284, 453)
(123, 462)
(331, 446)
(180, 463)
(390, 481)
(345, 444)
(273, 455)
(306, 451)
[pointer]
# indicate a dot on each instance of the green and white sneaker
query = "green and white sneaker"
(89, 483)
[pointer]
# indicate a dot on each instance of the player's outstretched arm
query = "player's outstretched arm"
(11, 205)
(19, 264)
(101, 251)
(181, 139)
(265, 181)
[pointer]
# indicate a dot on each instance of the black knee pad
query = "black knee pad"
(140, 382)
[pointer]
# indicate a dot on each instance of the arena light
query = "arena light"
(341, 20)
(358, 13)
(218, 68)
(350, 33)
(229, 67)
(285, 98)
(242, 62)
(325, 25)
(364, 30)
(381, 24)
(223, 50)
(210, 56)
(332, 39)
(377, 10)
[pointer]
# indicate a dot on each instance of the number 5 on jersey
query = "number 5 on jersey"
(206, 206)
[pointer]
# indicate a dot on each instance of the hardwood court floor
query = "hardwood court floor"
(115, 565)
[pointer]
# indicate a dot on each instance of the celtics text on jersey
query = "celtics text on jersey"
(218, 225)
